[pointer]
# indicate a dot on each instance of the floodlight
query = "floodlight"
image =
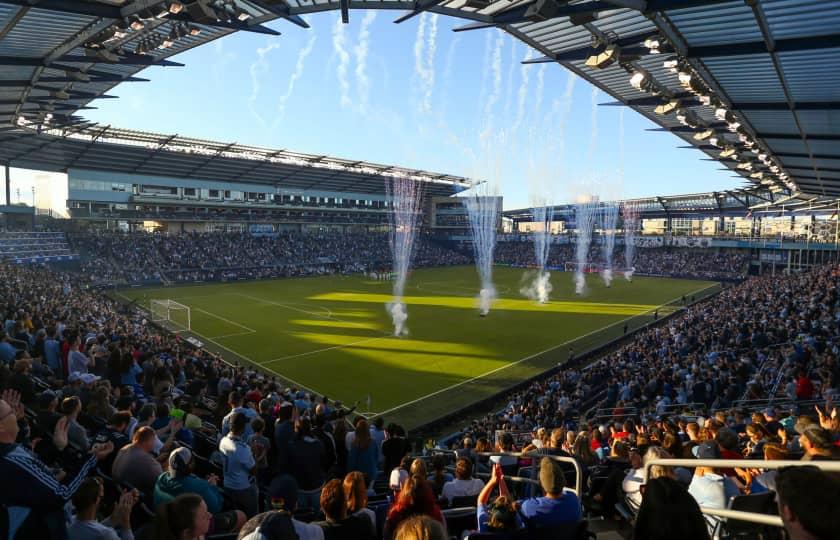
(705, 100)
(720, 113)
(684, 77)
(733, 126)
(640, 80)
(715, 141)
(653, 44)
(729, 151)
(176, 7)
(603, 59)
(671, 63)
(135, 23)
(667, 107)
(745, 165)
(757, 175)
(703, 135)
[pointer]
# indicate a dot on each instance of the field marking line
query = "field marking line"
(234, 334)
(290, 306)
(307, 353)
(249, 330)
(529, 357)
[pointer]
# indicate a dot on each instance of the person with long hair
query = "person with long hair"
(439, 476)
(338, 525)
(420, 528)
(355, 492)
(582, 450)
(668, 511)
(416, 498)
(363, 455)
(185, 518)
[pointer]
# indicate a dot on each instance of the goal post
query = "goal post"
(172, 312)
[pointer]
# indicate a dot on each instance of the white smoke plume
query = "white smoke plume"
(360, 52)
(296, 74)
(257, 69)
(340, 48)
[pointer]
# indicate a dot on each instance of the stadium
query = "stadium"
(577, 332)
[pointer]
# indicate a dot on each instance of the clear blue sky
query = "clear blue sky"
(417, 95)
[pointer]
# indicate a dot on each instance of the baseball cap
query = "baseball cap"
(179, 460)
(706, 450)
(551, 476)
(817, 436)
(283, 491)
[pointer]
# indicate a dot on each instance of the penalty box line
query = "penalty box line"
(532, 356)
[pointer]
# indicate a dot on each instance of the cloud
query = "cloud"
(257, 69)
(360, 52)
(340, 47)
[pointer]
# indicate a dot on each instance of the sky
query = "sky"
(417, 95)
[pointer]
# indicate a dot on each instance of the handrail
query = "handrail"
(563, 459)
(752, 517)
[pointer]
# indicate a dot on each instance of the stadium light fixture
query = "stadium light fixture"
(667, 108)
(727, 152)
(758, 175)
(653, 45)
(602, 58)
(175, 7)
(715, 141)
(135, 23)
(745, 166)
(640, 80)
(684, 77)
(671, 64)
(703, 135)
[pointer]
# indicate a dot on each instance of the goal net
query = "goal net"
(170, 311)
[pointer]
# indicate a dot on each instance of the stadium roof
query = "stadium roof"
(758, 78)
(758, 202)
(135, 152)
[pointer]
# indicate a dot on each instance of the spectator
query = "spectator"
(284, 432)
(394, 447)
(180, 479)
(235, 401)
(669, 512)
(136, 465)
(86, 501)
(261, 446)
(420, 528)
(363, 456)
(710, 489)
(274, 525)
(355, 492)
(239, 467)
(35, 505)
(808, 500)
(338, 525)
(70, 408)
(114, 432)
(415, 498)
(284, 496)
(305, 456)
(464, 485)
(817, 444)
(501, 515)
(556, 506)
(399, 475)
(184, 518)
(439, 477)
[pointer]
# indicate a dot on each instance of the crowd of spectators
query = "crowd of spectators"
(144, 257)
(696, 263)
(110, 428)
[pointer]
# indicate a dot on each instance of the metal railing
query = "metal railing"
(578, 489)
(752, 517)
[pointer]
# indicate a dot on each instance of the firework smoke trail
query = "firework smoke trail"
(585, 214)
(630, 213)
(540, 289)
(522, 95)
(425, 46)
(404, 194)
(256, 69)
(296, 74)
(360, 53)
(609, 222)
(340, 49)
(483, 212)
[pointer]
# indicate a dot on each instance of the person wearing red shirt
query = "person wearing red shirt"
(804, 386)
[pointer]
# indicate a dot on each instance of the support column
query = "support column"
(8, 185)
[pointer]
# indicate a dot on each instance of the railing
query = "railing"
(578, 489)
(752, 517)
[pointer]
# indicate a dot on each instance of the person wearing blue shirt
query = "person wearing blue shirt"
(180, 479)
(710, 489)
(239, 467)
(52, 351)
(363, 456)
(235, 402)
(557, 506)
(7, 350)
(501, 515)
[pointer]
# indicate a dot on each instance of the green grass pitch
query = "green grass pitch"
(332, 334)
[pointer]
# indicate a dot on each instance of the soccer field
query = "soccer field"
(332, 334)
